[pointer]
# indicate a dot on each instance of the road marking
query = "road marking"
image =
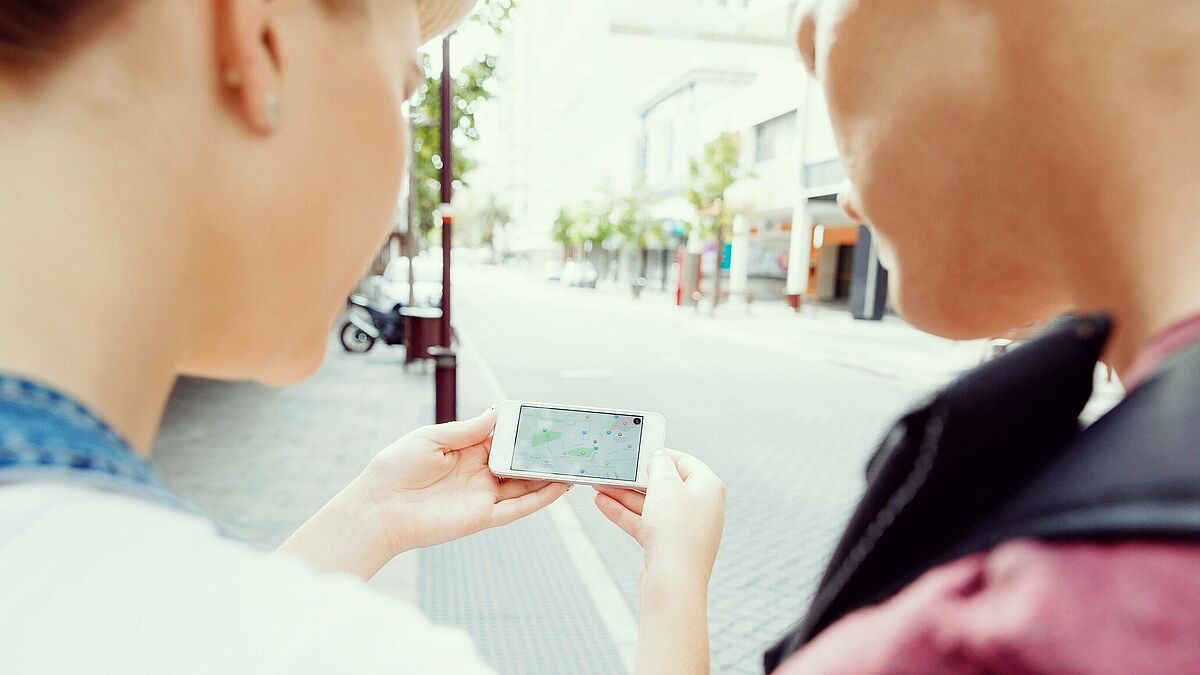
(618, 618)
(490, 381)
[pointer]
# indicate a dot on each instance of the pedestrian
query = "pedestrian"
(193, 188)
(1019, 160)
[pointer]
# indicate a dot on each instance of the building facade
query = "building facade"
(600, 98)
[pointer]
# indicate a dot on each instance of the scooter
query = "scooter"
(363, 328)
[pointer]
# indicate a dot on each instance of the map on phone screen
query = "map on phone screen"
(577, 443)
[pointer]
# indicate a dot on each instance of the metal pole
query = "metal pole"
(446, 368)
(410, 232)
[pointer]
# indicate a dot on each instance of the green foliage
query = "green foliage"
(595, 223)
(563, 231)
(471, 88)
(490, 216)
(493, 14)
(616, 218)
(585, 223)
(632, 224)
(710, 178)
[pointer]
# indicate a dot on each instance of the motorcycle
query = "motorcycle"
(365, 325)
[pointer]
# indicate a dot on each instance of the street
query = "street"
(784, 408)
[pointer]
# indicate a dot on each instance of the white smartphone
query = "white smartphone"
(575, 444)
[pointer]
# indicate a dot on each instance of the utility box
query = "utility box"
(422, 330)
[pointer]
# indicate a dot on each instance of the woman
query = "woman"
(1019, 160)
(179, 180)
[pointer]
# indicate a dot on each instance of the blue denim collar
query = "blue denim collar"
(45, 435)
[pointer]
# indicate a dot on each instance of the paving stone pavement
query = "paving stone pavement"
(262, 460)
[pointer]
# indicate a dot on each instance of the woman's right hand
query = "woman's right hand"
(678, 521)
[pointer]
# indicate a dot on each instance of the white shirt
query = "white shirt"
(96, 582)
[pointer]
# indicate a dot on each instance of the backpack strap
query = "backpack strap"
(1134, 474)
(953, 462)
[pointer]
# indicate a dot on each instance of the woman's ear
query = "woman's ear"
(249, 59)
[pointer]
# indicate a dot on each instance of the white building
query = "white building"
(574, 75)
(607, 96)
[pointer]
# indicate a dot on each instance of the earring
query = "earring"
(272, 109)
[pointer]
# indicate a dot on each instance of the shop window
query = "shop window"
(774, 137)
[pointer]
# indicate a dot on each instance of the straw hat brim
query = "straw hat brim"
(440, 16)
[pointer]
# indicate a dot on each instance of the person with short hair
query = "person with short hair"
(1020, 160)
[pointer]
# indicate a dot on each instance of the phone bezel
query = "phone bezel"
(654, 432)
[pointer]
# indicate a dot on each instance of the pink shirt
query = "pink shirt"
(1034, 607)
(1028, 607)
(1162, 346)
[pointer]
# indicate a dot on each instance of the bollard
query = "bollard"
(445, 379)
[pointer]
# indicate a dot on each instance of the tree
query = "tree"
(471, 88)
(711, 176)
(586, 224)
(478, 218)
(564, 232)
(638, 230)
(492, 216)
(595, 224)
(493, 14)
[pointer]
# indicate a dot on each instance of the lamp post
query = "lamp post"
(445, 376)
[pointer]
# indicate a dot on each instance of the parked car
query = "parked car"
(552, 270)
(579, 274)
(427, 281)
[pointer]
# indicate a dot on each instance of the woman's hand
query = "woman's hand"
(434, 485)
(431, 486)
(678, 522)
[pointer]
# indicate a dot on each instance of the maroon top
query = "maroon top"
(1163, 345)
(1032, 607)
(1029, 606)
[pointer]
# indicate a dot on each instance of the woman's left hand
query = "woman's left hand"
(431, 486)
(434, 485)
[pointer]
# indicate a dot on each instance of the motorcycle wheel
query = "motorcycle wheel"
(354, 340)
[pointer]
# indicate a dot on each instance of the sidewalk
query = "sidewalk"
(262, 460)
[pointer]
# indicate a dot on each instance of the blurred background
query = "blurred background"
(644, 216)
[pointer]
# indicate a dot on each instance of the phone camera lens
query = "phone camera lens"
(637, 420)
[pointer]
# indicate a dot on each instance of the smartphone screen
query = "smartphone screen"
(577, 443)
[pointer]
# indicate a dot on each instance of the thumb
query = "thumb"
(663, 471)
(461, 434)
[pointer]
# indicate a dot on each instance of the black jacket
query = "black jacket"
(999, 454)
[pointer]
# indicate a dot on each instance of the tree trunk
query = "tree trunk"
(717, 273)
